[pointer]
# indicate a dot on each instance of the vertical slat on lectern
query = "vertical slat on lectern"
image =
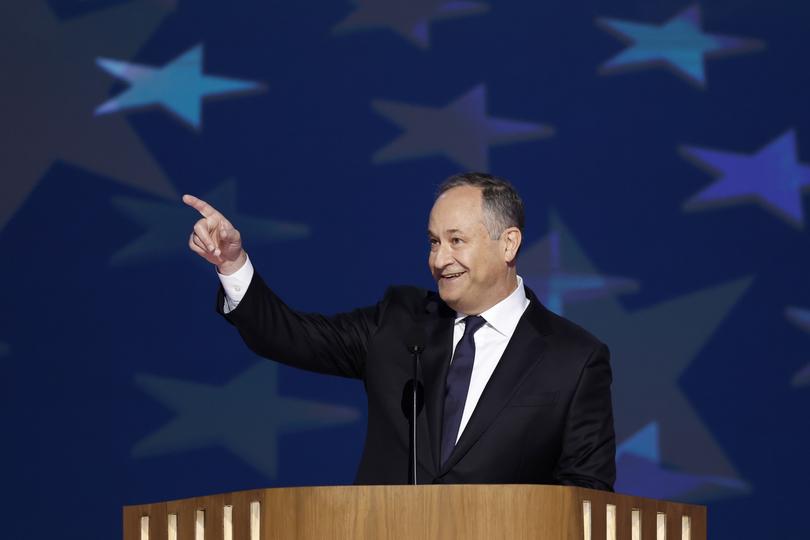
(660, 526)
(586, 520)
(199, 525)
(144, 527)
(171, 528)
(610, 522)
(635, 524)
(227, 522)
(686, 528)
(255, 520)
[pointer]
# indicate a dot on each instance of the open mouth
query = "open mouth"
(453, 276)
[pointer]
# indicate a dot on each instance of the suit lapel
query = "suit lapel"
(522, 353)
(435, 362)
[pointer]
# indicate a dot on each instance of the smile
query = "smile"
(452, 276)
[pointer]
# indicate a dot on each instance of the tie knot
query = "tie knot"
(472, 324)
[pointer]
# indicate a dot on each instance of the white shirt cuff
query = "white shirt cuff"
(236, 285)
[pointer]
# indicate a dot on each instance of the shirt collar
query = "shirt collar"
(505, 315)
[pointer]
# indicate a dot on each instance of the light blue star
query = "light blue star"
(641, 472)
(542, 269)
(167, 225)
(772, 177)
(408, 18)
(179, 86)
(801, 318)
(679, 43)
(650, 348)
(246, 416)
(461, 131)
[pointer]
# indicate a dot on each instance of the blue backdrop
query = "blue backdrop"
(661, 147)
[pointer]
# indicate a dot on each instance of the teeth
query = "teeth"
(453, 275)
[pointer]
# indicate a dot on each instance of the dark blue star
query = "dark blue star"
(461, 131)
(246, 416)
(641, 472)
(678, 43)
(408, 18)
(167, 225)
(772, 177)
(646, 385)
(801, 318)
(543, 270)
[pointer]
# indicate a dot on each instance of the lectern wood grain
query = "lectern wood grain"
(470, 512)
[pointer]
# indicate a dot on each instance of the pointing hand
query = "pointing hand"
(214, 238)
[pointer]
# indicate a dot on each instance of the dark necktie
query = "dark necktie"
(458, 383)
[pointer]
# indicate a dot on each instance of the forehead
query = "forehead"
(457, 208)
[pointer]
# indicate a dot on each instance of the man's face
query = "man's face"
(468, 266)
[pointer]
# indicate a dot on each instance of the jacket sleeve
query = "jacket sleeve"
(335, 345)
(588, 457)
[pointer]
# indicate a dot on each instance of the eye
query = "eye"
(456, 240)
(433, 243)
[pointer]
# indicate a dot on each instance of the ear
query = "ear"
(511, 239)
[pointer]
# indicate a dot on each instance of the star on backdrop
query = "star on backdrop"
(678, 43)
(246, 416)
(801, 318)
(542, 269)
(408, 18)
(167, 225)
(639, 464)
(461, 131)
(4, 349)
(773, 177)
(49, 67)
(179, 86)
(650, 349)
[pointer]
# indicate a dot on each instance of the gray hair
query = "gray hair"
(502, 205)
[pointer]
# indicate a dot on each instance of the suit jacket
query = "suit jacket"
(545, 415)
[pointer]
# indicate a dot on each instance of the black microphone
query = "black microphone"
(413, 394)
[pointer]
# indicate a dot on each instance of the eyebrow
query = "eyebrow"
(451, 231)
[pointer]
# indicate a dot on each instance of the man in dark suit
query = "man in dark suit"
(513, 393)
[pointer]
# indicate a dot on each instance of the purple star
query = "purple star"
(461, 131)
(772, 177)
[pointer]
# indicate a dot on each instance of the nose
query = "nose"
(441, 257)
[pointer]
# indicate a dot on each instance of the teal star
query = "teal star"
(801, 318)
(180, 86)
(679, 43)
(650, 349)
(461, 131)
(167, 225)
(246, 416)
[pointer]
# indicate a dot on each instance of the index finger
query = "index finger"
(200, 205)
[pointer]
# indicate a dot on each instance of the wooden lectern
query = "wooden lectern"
(466, 512)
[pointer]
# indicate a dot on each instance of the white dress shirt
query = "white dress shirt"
(490, 340)
(490, 343)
